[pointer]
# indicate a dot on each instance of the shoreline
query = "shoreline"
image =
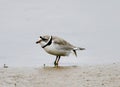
(66, 76)
(61, 65)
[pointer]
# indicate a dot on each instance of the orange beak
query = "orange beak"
(38, 41)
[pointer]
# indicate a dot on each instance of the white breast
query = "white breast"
(55, 49)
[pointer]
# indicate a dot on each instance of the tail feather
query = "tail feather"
(81, 48)
(75, 52)
(77, 48)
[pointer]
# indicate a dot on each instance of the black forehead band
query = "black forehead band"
(42, 38)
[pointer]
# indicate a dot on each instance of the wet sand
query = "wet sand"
(64, 76)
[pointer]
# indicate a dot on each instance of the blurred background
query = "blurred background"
(92, 24)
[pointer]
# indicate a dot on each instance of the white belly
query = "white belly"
(56, 50)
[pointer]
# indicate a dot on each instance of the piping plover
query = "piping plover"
(57, 46)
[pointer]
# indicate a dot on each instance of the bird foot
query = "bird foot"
(55, 64)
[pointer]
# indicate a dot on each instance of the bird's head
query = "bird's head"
(44, 40)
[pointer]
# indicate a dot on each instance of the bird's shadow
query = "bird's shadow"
(59, 67)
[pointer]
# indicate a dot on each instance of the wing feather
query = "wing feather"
(63, 43)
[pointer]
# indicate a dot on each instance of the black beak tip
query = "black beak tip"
(36, 42)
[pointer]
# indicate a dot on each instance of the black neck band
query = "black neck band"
(48, 43)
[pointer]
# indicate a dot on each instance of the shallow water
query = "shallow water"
(82, 23)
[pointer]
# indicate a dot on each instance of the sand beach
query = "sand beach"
(63, 76)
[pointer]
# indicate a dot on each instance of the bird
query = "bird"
(57, 46)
